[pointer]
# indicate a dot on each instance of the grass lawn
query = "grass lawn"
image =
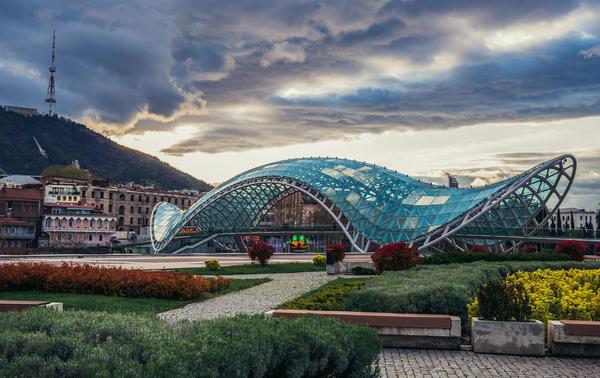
(329, 297)
(256, 269)
(143, 306)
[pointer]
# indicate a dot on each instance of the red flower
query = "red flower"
(395, 256)
(479, 248)
(339, 251)
(261, 252)
(575, 249)
(88, 279)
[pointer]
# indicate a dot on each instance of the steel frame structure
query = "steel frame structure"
(373, 205)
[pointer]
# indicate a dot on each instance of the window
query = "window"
(139, 221)
(101, 194)
(139, 210)
(110, 196)
(130, 220)
(154, 199)
(101, 206)
(110, 208)
(122, 197)
(147, 210)
(70, 236)
(100, 237)
(175, 201)
(147, 199)
(132, 198)
(48, 221)
(90, 237)
(70, 223)
(131, 210)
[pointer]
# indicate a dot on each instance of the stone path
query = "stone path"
(440, 363)
(255, 300)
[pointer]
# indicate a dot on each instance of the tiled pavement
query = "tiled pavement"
(441, 363)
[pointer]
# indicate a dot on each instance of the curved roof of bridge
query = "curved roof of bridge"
(384, 205)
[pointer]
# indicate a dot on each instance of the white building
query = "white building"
(581, 218)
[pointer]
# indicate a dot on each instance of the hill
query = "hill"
(65, 141)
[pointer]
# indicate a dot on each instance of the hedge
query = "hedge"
(90, 344)
(89, 279)
(466, 257)
(439, 289)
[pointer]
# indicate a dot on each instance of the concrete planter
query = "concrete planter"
(521, 338)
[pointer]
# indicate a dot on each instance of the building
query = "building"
(21, 199)
(21, 110)
(131, 204)
(65, 192)
(373, 205)
(71, 225)
(576, 219)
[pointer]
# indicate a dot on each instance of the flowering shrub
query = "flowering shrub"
(575, 249)
(572, 294)
(212, 264)
(261, 252)
(339, 251)
(529, 248)
(319, 260)
(395, 256)
(479, 248)
(88, 279)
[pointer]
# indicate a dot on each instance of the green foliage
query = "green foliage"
(86, 344)
(466, 257)
(502, 301)
(319, 260)
(439, 289)
(329, 297)
(143, 306)
(212, 265)
(362, 271)
(65, 141)
(69, 170)
(256, 269)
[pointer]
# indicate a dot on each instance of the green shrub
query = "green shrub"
(362, 271)
(439, 289)
(319, 260)
(329, 297)
(87, 344)
(453, 257)
(499, 300)
(212, 265)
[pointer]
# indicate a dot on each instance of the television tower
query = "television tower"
(51, 96)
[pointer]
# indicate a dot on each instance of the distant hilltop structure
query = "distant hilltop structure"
(28, 112)
(51, 94)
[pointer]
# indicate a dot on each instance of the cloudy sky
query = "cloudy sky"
(482, 89)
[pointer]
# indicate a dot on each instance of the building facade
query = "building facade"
(77, 226)
(20, 211)
(576, 219)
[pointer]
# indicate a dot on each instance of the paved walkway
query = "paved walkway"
(255, 300)
(173, 262)
(440, 363)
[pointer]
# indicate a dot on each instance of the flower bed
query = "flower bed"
(439, 289)
(572, 294)
(88, 344)
(88, 279)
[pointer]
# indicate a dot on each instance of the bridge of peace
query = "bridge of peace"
(372, 206)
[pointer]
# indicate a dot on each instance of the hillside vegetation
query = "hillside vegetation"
(65, 141)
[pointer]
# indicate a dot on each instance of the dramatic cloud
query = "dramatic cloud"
(246, 75)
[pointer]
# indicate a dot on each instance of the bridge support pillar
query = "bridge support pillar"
(239, 243)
